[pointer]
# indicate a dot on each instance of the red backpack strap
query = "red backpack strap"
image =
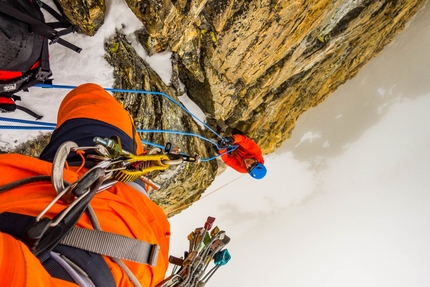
(7, 104)
(9, 75)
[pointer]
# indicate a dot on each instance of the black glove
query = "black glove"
(225, 142)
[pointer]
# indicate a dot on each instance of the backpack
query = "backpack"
(24, 56)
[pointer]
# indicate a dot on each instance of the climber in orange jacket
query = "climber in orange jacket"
(122, 209)
(245, 158)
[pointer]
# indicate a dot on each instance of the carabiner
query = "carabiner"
(45, 234)
(58, 165)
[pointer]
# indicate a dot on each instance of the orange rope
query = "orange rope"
(81, 154)
(188, 204)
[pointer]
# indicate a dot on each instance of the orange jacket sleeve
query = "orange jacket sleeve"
(249, 147)
(93, 102)
(121, 209)
(234, 162)
(20, 268)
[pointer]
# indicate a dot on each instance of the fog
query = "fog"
(345, 202)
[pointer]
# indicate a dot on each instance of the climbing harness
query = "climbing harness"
(43, 234)
(115, 164)
(205, 246)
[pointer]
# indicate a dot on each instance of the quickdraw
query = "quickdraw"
(128, 167)
(119, 165)
(115, 165)
(46, 233)
(204, 248)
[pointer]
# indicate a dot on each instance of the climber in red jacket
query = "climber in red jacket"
(242, 154)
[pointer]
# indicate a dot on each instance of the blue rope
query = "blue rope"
(179, 133)
(27, 122)
(49, 86)
(39, 126)
(27, 128)
(51, 126)
(153, 144)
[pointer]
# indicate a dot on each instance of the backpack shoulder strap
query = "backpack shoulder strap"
(62, 22)
(92, 264)
(38, 27)
(58, 16)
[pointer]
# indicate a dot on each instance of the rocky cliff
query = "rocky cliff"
(181, 184)
(256, 65)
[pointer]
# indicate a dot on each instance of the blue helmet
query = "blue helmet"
(258, 171)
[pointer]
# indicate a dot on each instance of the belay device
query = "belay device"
(205, 246)
(24, 56)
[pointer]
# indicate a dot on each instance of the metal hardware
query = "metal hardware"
(58, 165)
(46, 233)
(203, 249)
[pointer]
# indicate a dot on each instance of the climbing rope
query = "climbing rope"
(50, 86)
(171, 212)
(20, 121)
(38, 125)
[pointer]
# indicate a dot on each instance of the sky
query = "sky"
(345, 201)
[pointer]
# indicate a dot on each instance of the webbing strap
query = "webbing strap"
(112, 245)
(38, 27)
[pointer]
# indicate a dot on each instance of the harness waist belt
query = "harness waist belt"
(95, 241)
(112, 245)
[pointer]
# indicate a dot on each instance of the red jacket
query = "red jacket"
(247, 148)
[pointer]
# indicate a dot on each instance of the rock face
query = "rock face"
(181, 184)
(255, 65)
(258, 64)
(86, 15)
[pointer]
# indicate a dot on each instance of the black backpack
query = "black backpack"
(24, 56)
